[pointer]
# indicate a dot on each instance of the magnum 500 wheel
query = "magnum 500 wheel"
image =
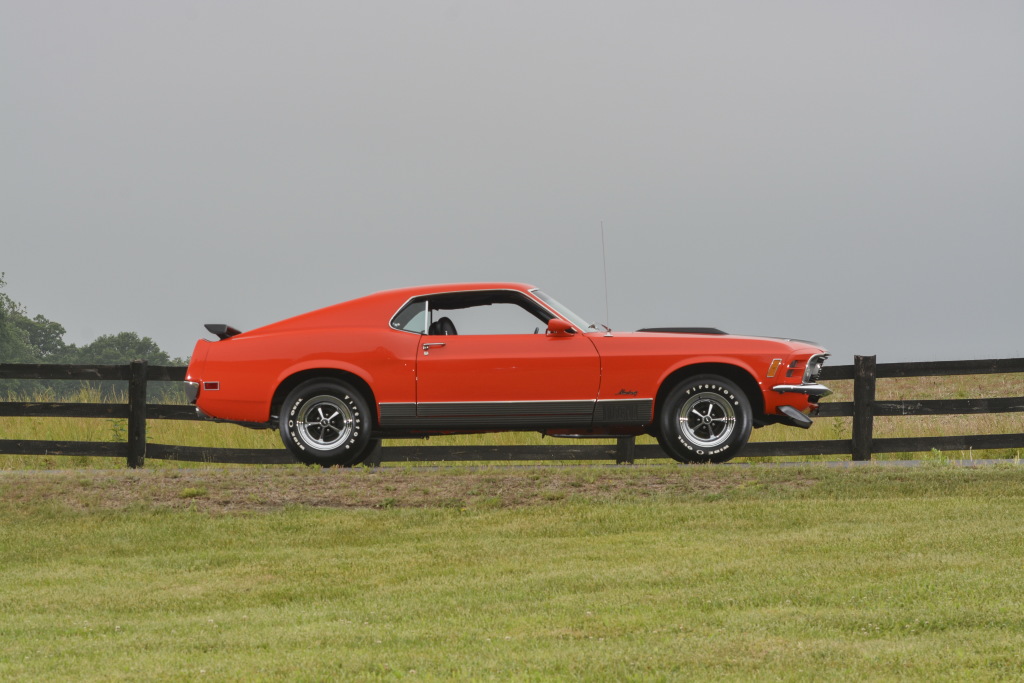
(705, 419)
(326, 422)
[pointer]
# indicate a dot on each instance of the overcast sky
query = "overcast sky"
(848, 172)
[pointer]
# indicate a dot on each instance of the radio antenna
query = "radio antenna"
(604, 259)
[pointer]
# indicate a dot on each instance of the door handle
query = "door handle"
(426, 347)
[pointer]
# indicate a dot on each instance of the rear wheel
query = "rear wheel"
(704, 419)
(327, 423)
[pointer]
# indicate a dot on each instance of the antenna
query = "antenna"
(604, 259)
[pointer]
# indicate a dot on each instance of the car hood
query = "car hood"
(714, 333)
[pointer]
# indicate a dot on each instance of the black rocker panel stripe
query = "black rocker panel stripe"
(638, 411)
(517, 414)
(511, 409)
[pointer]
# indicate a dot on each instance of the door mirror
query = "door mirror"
(560, 328)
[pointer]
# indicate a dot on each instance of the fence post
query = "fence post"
(863, 406)
(137, 414)
(625, 448)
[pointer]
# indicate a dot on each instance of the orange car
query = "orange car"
(486, 357)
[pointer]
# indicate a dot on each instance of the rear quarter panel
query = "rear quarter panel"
(250, 368)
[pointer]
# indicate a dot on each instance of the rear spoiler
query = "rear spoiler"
(222, 331)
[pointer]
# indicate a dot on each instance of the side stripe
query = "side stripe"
(517, 413)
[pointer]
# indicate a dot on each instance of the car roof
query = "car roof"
(422, 290)
(372, 309)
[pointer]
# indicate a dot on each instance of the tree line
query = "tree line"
(25, 339)
(36, 339)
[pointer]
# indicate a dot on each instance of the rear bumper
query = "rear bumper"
(192, 392)
(248, 425)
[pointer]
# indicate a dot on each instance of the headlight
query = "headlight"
(813, 370)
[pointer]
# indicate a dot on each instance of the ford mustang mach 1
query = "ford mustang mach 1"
(483, 357)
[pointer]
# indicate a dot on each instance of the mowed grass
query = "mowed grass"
(651, 572)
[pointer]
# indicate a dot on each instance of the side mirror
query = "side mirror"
(560, 328)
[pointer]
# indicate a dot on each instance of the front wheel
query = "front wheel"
(704, 419)
(327, 423)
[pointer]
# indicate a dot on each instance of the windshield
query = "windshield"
(562, 310)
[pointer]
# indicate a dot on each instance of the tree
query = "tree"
(119, 349)
(14, 342)
(38, 340)
(28, 340)
(45, 339)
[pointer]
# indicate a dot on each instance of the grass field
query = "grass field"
(651, 572)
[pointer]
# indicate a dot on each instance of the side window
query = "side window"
(498, 318)
(412, 318)
(473, 313)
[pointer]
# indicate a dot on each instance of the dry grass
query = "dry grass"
(264, 489)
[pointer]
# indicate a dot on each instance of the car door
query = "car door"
(507, 380)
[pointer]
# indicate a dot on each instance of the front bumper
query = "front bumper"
(814, 389)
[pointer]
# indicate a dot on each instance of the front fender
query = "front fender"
(692, 366)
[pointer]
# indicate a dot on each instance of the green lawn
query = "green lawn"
(602, 573)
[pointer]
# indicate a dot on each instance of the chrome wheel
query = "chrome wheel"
(325, 422)
(707, 419)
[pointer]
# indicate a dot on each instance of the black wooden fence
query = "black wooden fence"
(863, 409)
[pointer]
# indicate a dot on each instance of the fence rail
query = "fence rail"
(861, 446)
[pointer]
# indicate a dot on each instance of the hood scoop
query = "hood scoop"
(683, 330)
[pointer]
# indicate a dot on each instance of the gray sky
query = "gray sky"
(848, 172)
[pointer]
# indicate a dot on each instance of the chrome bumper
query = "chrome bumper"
(819, 390)
(192, 391)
